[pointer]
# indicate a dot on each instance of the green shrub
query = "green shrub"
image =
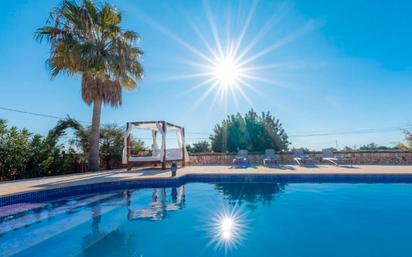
(251, 131)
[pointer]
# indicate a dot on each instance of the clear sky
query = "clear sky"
(318, 66)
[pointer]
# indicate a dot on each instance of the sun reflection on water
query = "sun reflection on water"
(228, 229)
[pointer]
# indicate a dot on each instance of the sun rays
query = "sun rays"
(227, 64)
(227, 229)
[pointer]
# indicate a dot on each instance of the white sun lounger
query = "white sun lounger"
(300, 157)
(329, 156)
(270, 157)
(241, 158)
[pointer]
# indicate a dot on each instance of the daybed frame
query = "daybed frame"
(129, 163)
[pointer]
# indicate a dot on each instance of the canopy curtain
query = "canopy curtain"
(157, 127)
(179, 136)
(163, 133)
(127, 134)
(155, 146)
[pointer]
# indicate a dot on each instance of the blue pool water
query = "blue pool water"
(226, 219)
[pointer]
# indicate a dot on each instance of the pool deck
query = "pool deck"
(39, 184)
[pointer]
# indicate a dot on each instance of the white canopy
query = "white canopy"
(157, 153)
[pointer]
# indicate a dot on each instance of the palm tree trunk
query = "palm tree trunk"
(94, 157)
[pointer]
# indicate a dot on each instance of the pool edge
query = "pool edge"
(64, 191)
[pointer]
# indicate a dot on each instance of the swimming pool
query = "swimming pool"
(217, 219)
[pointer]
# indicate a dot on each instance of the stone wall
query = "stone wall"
(357, 157)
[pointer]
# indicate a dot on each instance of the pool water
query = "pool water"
(224, 219)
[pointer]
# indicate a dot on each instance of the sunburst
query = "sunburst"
(226, 68)
(227, 72)
(227, 229)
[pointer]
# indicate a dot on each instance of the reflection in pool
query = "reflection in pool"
(223, 219)
(251, 193)
(159, 207)
(227, 228)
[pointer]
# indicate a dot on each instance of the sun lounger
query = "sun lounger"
(270, 157)
(329, 156)
(241, 159)
(301, 158)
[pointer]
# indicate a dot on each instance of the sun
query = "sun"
(230, 65)
(227, 72)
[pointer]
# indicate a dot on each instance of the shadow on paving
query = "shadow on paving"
(101, 177)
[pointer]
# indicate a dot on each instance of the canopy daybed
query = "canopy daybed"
(160, 154)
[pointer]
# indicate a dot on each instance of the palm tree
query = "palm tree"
(87, 40)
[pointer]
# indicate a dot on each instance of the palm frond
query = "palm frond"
(87, 39)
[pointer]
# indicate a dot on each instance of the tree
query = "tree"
(199, 147)
(14, 150)
(408, 144)
(348, 149)
(251, 131)
(111, 142)
(374, 147)
(87, 39)
(250, 193)
(55, 159)
(24, 155)
(138, 146)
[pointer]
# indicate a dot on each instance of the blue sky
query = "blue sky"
(331, 66)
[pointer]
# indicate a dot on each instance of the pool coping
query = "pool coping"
(134, 183)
